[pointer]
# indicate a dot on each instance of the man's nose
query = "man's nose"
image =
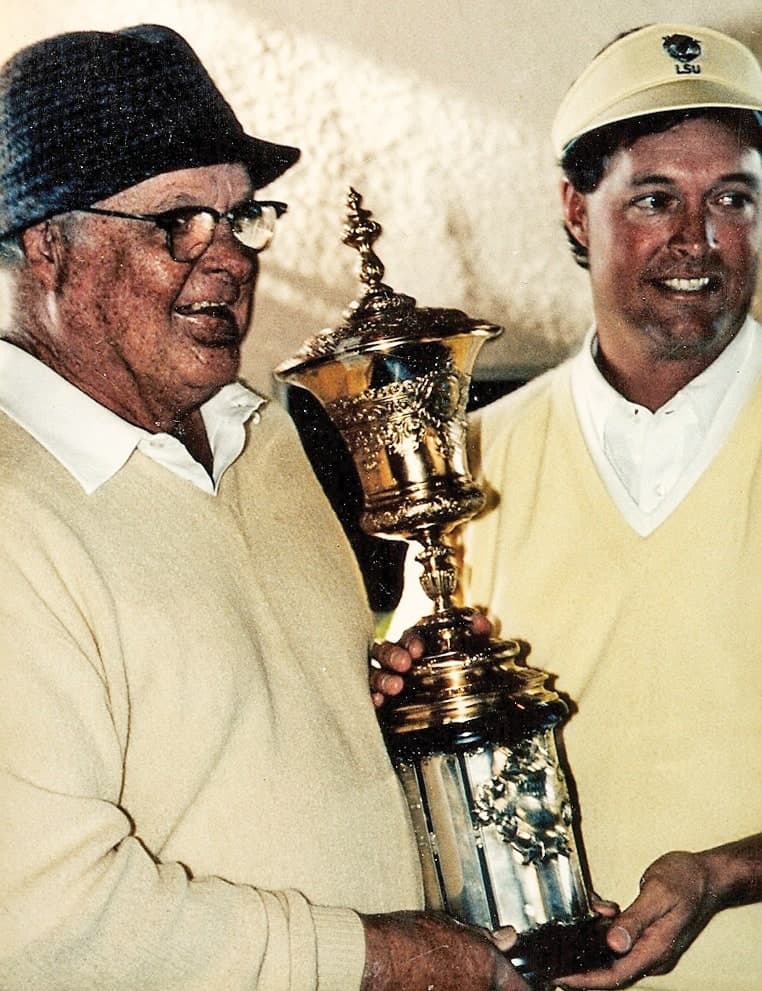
(694, 231)
(226, 254)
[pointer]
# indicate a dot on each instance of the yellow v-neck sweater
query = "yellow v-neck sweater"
(657, 639)
(193, 790)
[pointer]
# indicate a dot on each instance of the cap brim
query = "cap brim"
(661, 99)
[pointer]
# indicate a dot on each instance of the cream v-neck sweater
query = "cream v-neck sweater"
(194, 793)
(658, 640)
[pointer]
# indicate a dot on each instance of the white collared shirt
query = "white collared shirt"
(650, 461)
(93, 443)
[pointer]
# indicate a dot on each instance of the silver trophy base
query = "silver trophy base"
(494, 826)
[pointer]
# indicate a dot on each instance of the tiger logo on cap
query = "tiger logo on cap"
(681, 47)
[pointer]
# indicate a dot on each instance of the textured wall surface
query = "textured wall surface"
(438, 111)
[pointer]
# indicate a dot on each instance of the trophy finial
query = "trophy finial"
(379, 316)
(360, 232)
(378, 301)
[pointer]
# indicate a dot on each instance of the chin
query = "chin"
(216, 365)
(198, 388)
(701, 343)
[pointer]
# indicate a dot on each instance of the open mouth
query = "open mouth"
(700, 284)
(205, 308)
(215, 322)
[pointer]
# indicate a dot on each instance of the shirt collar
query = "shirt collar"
(703, 394)
(90, 441)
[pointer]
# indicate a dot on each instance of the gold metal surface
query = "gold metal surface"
(394, 379)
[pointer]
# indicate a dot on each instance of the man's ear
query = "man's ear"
(45, 251)
(575, 211)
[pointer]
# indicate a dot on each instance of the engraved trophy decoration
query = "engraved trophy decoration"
(472, 736)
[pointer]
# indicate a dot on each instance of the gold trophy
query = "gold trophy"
(472, 736)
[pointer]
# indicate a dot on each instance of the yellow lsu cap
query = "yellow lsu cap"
(656, 68)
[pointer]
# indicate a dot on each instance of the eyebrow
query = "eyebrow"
(655, 179)
(175, 201)
(184, 201)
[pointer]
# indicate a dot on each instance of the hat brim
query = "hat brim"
(265, 160)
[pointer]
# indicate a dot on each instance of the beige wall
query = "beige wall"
(438, 111)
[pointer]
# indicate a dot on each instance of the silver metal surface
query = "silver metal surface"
(494, 831)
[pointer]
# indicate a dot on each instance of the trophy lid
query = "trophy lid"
(380, 317)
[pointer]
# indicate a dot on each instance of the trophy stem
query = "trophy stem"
(439, 578)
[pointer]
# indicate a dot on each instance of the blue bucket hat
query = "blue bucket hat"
(87, 114)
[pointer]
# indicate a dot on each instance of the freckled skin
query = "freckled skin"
(680, 204)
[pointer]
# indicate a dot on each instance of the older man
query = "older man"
(194, 791)
(627, 543)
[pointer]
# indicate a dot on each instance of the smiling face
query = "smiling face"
(673, 234)
(148, 337)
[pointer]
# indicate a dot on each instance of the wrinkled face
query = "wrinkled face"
(146, 335)
(673, 233)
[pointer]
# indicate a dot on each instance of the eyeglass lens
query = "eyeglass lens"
(190, 234)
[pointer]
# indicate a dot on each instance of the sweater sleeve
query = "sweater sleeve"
(83, 902)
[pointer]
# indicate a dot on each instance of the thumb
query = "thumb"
(619, 938)
(504, 938)
(630, 925)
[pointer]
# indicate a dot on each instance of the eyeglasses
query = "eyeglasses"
(191, 229)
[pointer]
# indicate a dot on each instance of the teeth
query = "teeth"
(203, 305)
(686, 285)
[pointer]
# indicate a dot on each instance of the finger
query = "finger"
(619, 974)
(392, 656)
(603, 907)
(481, 625)
(385, 683)
(413, 644)
(619, 939)
(504, 938)
(652, 953)
(652, 905)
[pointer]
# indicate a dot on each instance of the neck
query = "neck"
(185, 424)
(646, 376)
(647, 385)
(192, 433)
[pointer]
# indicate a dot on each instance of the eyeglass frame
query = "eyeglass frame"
(165, 218)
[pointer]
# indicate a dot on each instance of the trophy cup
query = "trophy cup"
(472, 736)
